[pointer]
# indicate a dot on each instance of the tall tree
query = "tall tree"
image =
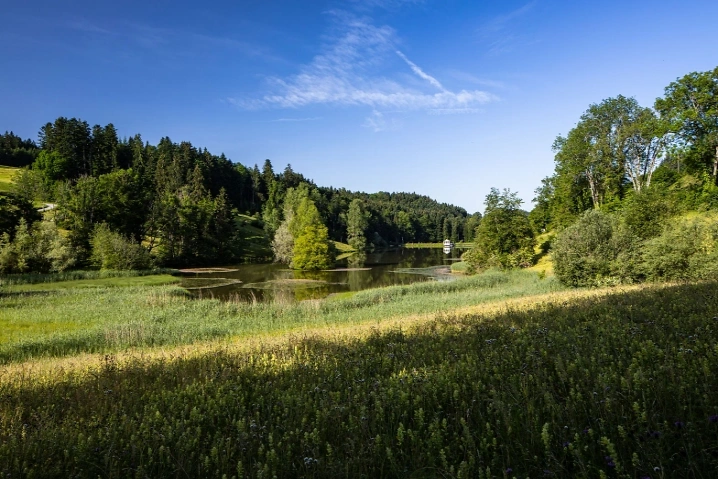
(690, 104)
(357, 222)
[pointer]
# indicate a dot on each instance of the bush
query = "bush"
(111, 250)
(38, 247)
(585, 252)
(686, 250)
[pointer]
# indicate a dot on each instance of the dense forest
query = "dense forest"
(176, 204)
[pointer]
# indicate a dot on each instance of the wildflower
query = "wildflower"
(609, 461)
(679, 424)
(509, 470)
(713, 418)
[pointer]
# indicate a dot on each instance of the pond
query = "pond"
(276, 282)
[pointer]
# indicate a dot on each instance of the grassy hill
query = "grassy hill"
(6, 174)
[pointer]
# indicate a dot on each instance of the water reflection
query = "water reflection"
(275, 282)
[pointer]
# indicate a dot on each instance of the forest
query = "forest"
(173, 204)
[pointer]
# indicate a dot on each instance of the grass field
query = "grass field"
(105, 320)
(585, 383)
(255, 243)
(152, 280)
(6, 174)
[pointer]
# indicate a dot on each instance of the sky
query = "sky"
(444, 98)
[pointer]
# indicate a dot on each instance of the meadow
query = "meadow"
(584, 383)
(55, 321)
(6, 174)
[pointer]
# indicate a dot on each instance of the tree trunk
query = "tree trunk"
(715, 167)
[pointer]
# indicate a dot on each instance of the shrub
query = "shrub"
(686, 250)
(583, 253)
(111, 250)
(38, 247)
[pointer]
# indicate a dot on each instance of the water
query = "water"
(275, 282)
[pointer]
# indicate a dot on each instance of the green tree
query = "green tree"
(505, 237)
(13, 209)
(53, 165)
(312, 249)
(113, 251)
(690, 104)
(357, 220)
(36, 247)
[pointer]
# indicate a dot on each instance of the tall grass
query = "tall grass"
(615, 386)
(100, 320)
(36, 278)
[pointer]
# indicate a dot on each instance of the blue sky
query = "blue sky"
(444, 98)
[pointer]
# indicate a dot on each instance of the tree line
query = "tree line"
(616, 205)
(180, 204)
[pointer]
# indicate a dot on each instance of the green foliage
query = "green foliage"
(357, 220)
(584, 254)
(636, 244)
(38, 247)
(504, 237)
(16, 152)
(644, 214)
(606, 386)
(687, 249)
(690, 104)
(52, 165)
(113, 251)
(312, 249)
(13, 209)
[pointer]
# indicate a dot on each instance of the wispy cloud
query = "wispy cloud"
(452, 111)
(420, 73)
(379, 122)
(498, 35)
(349, 72)
(290, 120)
(500, 22)
(465, 77)
(167, 41)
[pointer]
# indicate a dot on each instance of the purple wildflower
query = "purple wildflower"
(713, 418)
(509, 470)
(609, 461)
(679, 424)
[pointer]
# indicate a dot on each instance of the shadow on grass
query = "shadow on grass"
(624, 381)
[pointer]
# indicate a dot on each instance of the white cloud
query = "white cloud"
(346, 73)
(420, 72)
(378, 122)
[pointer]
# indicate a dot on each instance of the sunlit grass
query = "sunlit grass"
(111, 319)
(6, 174)
(130, 281)
(582, 383)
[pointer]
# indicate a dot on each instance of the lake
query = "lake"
(276, 282)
